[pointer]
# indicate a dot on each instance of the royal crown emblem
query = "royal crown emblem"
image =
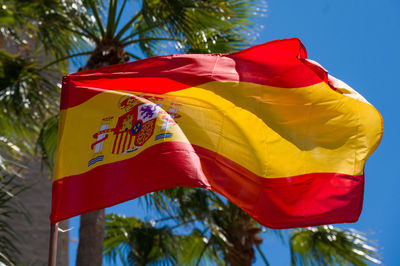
(134, 128)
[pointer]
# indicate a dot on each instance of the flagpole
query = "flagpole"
(53, 244)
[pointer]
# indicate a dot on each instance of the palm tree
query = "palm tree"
(28, 93)
(141, 242)
(227, 230)
(224, 234)
(138, 242)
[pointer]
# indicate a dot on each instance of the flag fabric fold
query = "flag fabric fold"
(265, 127)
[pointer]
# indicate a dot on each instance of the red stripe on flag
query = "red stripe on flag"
(306, 200)
(74, 93)
(279, 63)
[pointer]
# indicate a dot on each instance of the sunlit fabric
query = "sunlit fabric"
(265, 127)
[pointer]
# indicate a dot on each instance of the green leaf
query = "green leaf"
(327, 245)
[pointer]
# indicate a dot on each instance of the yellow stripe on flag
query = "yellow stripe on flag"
(273, 132)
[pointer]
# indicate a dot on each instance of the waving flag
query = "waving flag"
(265, 127)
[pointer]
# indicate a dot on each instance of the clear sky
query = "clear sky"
(357, 42)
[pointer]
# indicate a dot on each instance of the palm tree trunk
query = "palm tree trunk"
(91, 237)
(244, 235)
(242, 262)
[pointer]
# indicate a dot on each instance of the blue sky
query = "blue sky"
(357, 42)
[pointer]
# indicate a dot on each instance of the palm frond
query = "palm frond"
(28, 95)
(328, 245)
(138, 242)
(9, 209)
(47, 141)
(200, 26)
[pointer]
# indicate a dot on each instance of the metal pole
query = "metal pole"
(53, 244)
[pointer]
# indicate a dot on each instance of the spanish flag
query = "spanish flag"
(265, 127)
